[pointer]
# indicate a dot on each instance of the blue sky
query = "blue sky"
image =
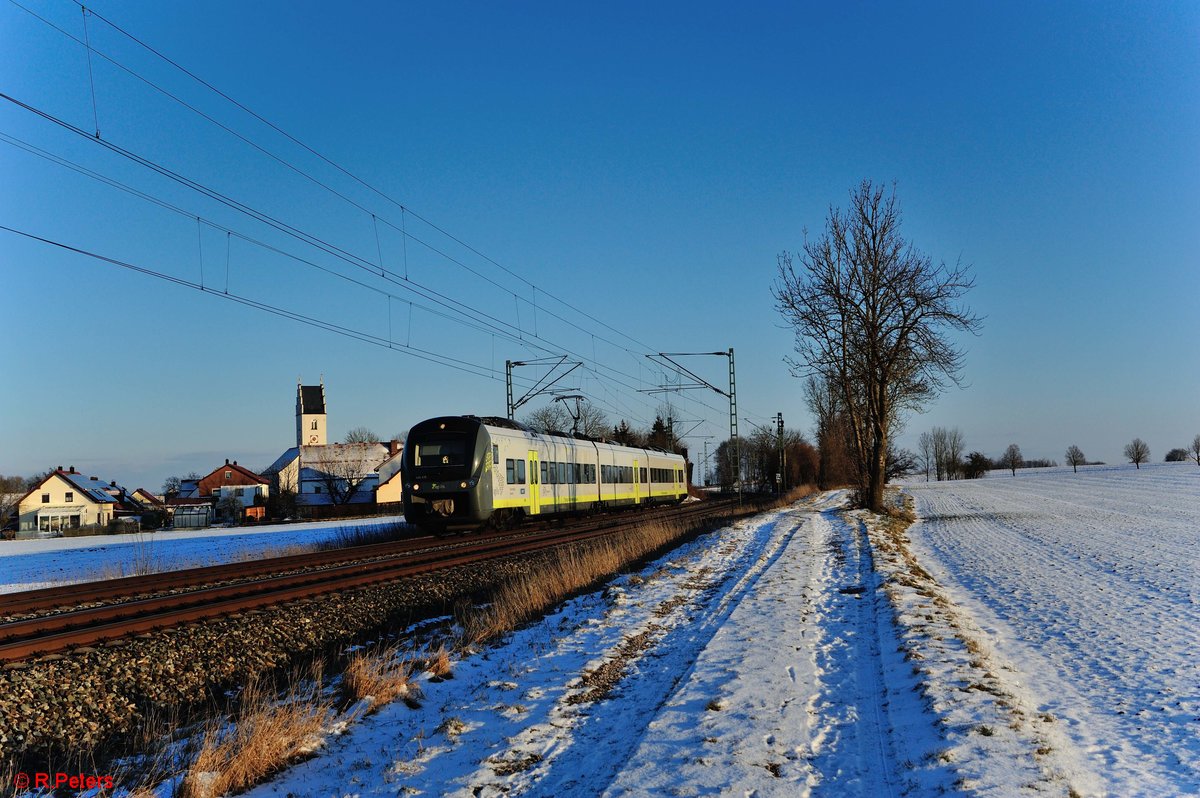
(645, 163)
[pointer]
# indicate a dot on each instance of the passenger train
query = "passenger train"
(463, 472)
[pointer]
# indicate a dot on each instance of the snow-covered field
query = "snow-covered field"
(1088, 584)
(1035, 635)
(30, 564)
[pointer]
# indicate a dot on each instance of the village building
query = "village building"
(390, 484)
(65, 500)
(234, 490)
(322, 473)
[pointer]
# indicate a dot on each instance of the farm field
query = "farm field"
(1088, 587)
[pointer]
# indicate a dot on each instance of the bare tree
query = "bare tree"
(342, 471)
(361, 435)
(901, 463)
(11, 491)
(954, 453)
(925, 453)
(837, 466)
(870, 314)
(1195, 450)
(570, 414)
(592, 421)
(170, 487)
(231, 508)
(1075, 457)
(946, 446)
(1012, 459)
(1137, 452)
(551, 418)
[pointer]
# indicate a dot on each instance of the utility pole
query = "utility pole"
(542, 386)
(782, 481)
(703, 383)
(508, 366)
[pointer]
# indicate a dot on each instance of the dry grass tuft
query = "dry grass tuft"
(383, 676)
(565, 572)
(267, 736)
(438, 666)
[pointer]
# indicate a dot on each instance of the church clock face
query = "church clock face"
(312, 438)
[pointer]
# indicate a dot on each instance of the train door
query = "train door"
(535, 484)
(637, 483)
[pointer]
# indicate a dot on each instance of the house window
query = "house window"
(70, 496)
(228, 475)
(238, 492)
(216, 491)
(45, 498)
(316, 488)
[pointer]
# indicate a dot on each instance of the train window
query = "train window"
(562, 473)
(440, 451)
(495, 456)
(543, 469)
(510, 471)
(520, 472)
(643, 475)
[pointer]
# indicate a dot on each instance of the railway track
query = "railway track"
(53, 620)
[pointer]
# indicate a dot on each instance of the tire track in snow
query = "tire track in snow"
(851, 748)
(583, 747)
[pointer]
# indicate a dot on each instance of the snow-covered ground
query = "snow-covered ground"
(30, 564)
(1034, 635)
(758, 660)
(1088, 585)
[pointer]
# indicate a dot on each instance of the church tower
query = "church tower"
(310, 414)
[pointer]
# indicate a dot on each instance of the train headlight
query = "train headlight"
(462, 485)
(416, 486)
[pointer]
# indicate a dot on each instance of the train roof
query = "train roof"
(507, 423)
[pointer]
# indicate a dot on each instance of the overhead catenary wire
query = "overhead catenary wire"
(461, 311)
(315, 241)
(284, 162)
(349, 174)
(473, 369)
(208, 222)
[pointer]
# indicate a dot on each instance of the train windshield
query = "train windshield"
(441, 451)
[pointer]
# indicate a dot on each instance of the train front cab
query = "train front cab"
(447, 474)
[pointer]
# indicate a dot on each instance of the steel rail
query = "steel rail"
(46, 600)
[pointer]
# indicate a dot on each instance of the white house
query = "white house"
(66, 499)
(337, 473)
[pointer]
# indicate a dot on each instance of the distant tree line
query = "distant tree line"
(939, 456)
